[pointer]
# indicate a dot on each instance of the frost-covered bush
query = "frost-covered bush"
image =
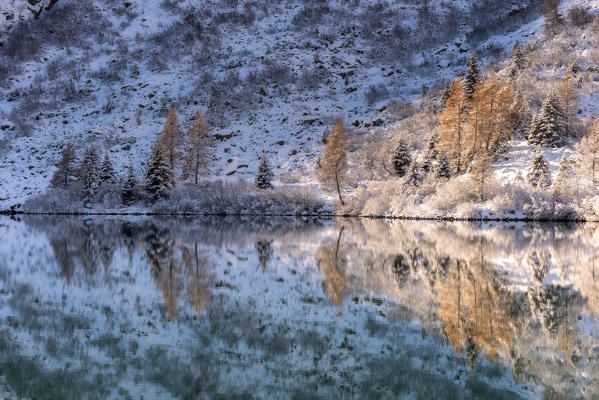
(239, 198)
(451, 194)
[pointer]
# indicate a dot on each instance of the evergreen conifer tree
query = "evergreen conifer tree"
(414, 177)
(88, 174)
(265, 175)
(128, 188)
(107, 170)
(65, 173)
(401, 158)
(518, 62)
(549, 129)
(159, 175)
(445, 93)
(564, 177)
(472, 78)
(443, 167)
(431, 154)
(539, 174)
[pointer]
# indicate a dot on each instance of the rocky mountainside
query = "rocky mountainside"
(269, 76)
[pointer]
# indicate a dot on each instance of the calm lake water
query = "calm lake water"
(287, 308)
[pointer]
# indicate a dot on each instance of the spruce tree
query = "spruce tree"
(265, 175)
(128, 188)
(472, 78)
(443, 168)
(518, 62)
(401, 158)
(414, 177)
(539, 174)
(88, 174)
(431, 154)
(65, 173)
(107, 170)
(549, 129)
(564, 177)
(159, 175)
(445, 93)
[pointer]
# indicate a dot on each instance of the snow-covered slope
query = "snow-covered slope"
(269, 76)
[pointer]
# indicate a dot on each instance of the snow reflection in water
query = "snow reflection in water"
(200, 308)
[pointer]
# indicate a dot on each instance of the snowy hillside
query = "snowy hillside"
(269, 76)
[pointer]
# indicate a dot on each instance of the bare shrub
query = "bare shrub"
(580, 16)
(376, 92)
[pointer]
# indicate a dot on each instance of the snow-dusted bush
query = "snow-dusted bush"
(59, 200)
(239, 198)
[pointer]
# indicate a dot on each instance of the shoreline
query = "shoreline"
(322, 216)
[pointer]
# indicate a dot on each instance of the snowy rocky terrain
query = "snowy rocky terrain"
(270, 76)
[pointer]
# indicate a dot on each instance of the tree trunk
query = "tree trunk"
(593, 166)
(338, 241)
(338, 189)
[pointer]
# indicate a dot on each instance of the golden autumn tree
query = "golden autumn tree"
(453, 121)
(473, 309)
(591, 149)
(198, 291)
(568, 95)
(491, 116)
(170, 285)
(333, 162)
(171, 138)
(331, 262)
(196, 151)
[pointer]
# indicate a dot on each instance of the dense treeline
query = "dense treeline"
(449, 149)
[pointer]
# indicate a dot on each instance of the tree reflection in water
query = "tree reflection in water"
(354, 308)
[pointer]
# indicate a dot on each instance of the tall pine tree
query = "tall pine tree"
(472, 78)
(88, 174)
(518, 62)
(128, 188)
(443, 167)
(445, 92)
(401, 158)
(65, 174)
(431, 154)
(159, 175)
(107, 170)
(564, 178)
(414, 177)
(549, 129)
(539, 174)
(265, 175)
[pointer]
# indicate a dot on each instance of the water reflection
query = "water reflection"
(198, 308)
